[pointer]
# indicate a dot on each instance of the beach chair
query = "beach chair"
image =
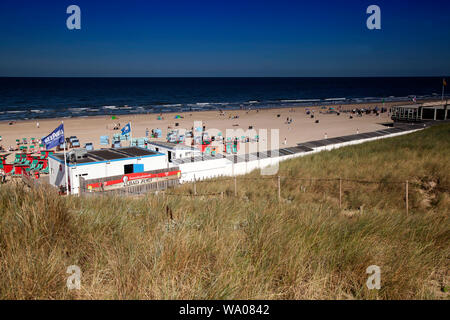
(33, 165)
(18, 142)
(104, 140)
(39, 167)
(44, 170)
(75, 143)
(61, 147)
(228, 148)
(235, 147)
(89, 146)
(141, 143)
(18, 158)
(24, 140)
(24, 170)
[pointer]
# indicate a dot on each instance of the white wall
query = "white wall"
(205, 169)
(224, 167)
(56, 173)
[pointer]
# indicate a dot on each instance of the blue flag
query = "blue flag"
(55, 138)
(126, 129)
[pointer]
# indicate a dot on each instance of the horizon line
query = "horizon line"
(221, 77)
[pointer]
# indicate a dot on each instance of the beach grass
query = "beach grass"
(252, 246)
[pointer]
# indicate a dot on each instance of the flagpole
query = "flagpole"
(131, 136)
(65, 164)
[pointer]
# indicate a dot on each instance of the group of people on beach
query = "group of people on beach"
(116, 126)
(289, 120)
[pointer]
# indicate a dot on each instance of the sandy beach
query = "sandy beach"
(302, 128)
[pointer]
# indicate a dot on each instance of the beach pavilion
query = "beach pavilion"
(434, 111)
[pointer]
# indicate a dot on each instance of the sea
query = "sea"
(38, 98)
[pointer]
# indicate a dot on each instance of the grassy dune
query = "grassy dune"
(249, 247)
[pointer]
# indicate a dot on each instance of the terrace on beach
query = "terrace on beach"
(421, 112)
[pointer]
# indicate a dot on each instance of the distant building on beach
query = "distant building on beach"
(174, 150)
(106, 169)
(421, 112)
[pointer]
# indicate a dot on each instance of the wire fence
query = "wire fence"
(341, 183)
(338, 188)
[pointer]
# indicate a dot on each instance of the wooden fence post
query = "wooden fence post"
(279, 188)
(235, 186)
(406, 197)
(340, 193)
(195, 187)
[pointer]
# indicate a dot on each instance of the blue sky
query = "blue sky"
(224, 38)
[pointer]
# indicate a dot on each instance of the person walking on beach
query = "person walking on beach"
(37, 124)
